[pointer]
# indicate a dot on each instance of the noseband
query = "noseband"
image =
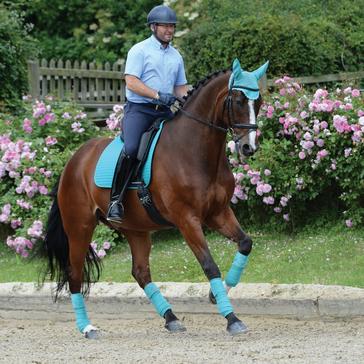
(228, 105)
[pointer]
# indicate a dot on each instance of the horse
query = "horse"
(192, 186)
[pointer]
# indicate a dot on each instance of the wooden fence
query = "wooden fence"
(316, 80)
(96, 87)
(99, 87)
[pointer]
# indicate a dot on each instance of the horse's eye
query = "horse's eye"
(241, 99)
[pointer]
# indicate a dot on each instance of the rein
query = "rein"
(207, 123)
(228, 101)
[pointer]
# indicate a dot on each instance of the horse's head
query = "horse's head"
(242, 105)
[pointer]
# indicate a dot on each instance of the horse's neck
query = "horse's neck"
(200, 144)
(204, 103)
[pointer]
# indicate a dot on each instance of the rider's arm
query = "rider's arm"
(134, 84)
(181, 90)
(180, 87)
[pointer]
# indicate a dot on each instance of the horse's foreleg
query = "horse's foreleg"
(227, 224)
(140, 245)
(192, 231)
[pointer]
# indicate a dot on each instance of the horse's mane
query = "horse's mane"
(203, 82)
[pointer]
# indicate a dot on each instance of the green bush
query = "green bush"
(34, 148)
(298, 37)
(310, 158)
(16, 47)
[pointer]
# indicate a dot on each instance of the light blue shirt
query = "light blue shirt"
(157, 67)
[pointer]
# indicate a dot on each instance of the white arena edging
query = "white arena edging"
(21, 300)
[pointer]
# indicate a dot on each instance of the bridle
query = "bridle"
(228, 105)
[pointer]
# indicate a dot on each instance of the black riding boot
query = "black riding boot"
(123, 174)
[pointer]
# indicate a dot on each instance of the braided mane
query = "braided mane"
(203, 82)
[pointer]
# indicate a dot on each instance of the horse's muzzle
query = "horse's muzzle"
(247, 150)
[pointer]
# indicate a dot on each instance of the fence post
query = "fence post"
(33, 78)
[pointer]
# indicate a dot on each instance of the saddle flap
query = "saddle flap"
(105, 168)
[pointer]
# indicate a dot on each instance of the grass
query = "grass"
(333, 256)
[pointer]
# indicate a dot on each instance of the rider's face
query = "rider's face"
(164, 32)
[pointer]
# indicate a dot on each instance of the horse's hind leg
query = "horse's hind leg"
(79, 230)
(140, 245)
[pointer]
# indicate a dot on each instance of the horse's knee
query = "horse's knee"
(210, 269)
(245, 245)
(141, 275)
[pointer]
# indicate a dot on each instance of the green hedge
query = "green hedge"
(298, 40)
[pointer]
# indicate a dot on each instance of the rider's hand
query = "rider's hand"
(166, 98)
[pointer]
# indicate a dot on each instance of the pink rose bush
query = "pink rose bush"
(312, 144)
(34, 148)
(100, 249)
(114, 119)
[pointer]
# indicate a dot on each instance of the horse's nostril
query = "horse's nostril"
(247, 150)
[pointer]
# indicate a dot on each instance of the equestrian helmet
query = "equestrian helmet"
(162, 14)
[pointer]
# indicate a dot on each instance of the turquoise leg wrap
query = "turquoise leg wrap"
(80, 310)
(222, 300)
(160, 303)
(236, 270)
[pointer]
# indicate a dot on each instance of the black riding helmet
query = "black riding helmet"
(162, 14)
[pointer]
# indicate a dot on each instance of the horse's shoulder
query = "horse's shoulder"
(99, 142)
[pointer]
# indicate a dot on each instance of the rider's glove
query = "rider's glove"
(166, 98)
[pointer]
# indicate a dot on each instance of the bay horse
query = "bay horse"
(192, 187)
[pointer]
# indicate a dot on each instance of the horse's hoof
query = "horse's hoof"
(237, 328)
(93, 334)
(212, 298)
(175, 326)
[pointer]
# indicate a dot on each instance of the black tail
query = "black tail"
(55, 248)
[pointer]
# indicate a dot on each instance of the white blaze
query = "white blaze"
(252, 120)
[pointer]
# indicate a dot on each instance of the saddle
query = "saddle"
(105, 168)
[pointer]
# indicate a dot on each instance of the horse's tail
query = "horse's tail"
(55, 248)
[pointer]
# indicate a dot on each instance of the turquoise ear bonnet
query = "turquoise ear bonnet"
(246, 82)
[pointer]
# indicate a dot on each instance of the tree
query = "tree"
(16, 47)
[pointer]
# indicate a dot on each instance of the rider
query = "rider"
(154, 76)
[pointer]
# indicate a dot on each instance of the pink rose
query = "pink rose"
(231, 146)
(349, 223)
(355, 93)
(106, 245)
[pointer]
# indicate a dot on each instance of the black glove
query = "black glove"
(166, 99)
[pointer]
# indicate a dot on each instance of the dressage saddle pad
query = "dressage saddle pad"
(106, 164)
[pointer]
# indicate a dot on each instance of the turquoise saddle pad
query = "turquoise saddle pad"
(106, 164)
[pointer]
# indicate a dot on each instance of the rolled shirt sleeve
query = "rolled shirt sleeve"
(181, 74)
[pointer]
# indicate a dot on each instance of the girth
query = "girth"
(144, 195)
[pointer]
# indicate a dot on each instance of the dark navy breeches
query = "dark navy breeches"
(137, 119)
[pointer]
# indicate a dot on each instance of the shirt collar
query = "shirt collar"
(157, 43)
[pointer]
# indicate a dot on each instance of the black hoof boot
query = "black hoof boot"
(172, 322)
(115, 212)
(93, 334)
(235, 326)
(212, 298)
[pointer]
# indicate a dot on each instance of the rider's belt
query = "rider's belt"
(156, 107)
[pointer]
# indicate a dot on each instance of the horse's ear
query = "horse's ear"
(236, 68)
(259, 73)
